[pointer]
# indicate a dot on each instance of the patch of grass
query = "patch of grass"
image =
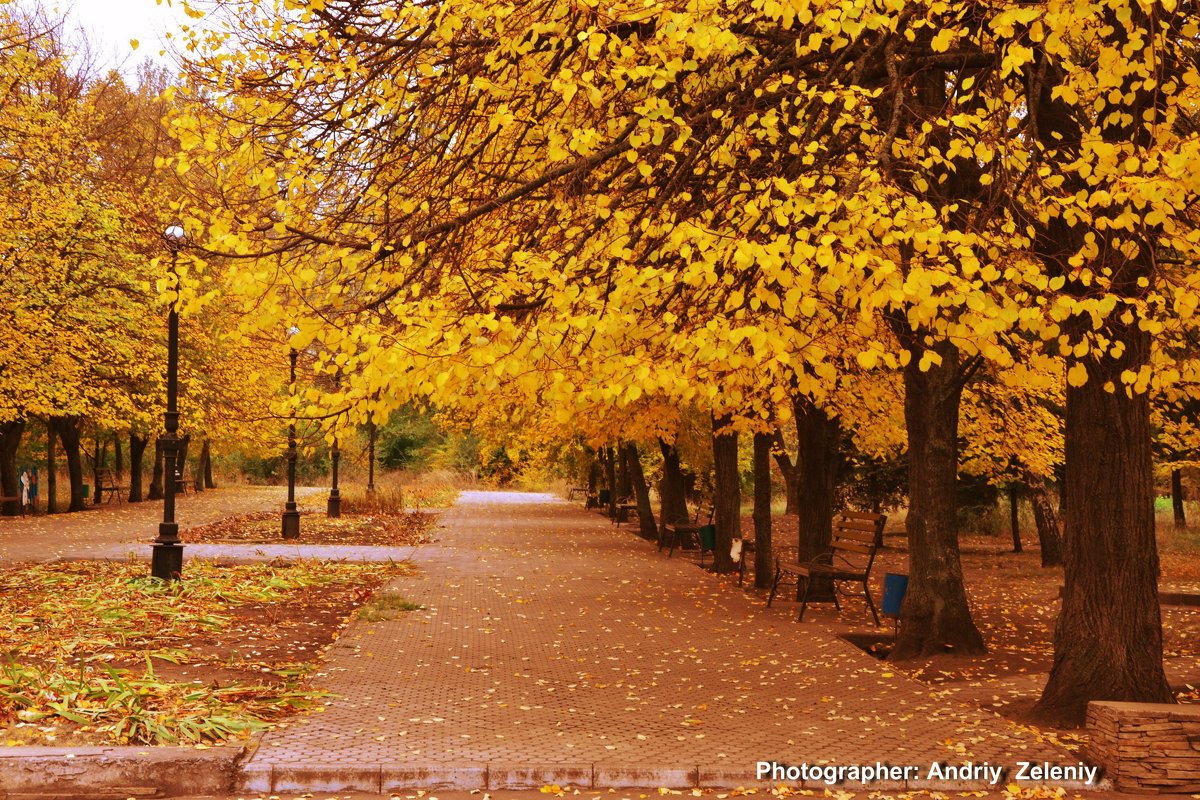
(386, 606)
(69, 633)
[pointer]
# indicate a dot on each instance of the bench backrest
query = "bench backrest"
(106, 476)
(855, 535)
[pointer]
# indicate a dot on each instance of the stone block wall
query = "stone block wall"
(1145, 747)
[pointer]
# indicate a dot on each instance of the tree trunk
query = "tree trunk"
(672, 487)
(68, 429)
(201, 467)
(118, 457)
(1014, 523)
(1049, 535)
(763, 557)
(1177, 498)
(51, 469)
(727, 492)
(637, 478)
(10, 479)
(935, 617)
(791, 477)
(157, 490)
(209, 483)
(181, 462)
(593, 482)
(1108, 641)
(100, 451)
(610, 474)
(817, 439)
(137, 453)
(624, 476)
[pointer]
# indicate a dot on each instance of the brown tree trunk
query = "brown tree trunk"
(1108, 641)
(1014, 522)
(137, 453)
(1049, 534)
(610, 474)
(790, 473)
(10, 479)
(157, 487)
(181, 462)
(671, 489)
(1177, 498)
(624, 478)
(637, 479)
(51, 469)
(817, 439)
(100, 452)
(68, 429)
(935, 617)
(727, 492)
(209, 483)
(201, 467)
(763, 563)
(118, 457)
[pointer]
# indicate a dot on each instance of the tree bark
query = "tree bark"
(610, 474)
(1049, 535)
(1014, 522)
(157, 487)
(624, 478)
(68, 429)
(10, 479)
(763, 557)
(817, 439)
(51, 469)
(137, 453)
(1177, 498)
(100, 452)
(1108, 641)
(201, 467)
(790, 473)
(181, 462)
(118, 457)
(672, 487)
(637, 478)
(935, 617)
(727, 492)
(209, 483)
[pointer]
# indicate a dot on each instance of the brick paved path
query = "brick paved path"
(99, 531)
(555, 648)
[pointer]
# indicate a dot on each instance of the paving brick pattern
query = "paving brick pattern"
(553, 647)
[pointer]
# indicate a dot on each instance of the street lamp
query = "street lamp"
(166, 559)
(291, 516)
(370, 452)
(333, 508)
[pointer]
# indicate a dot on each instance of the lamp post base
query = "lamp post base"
(333, 508)
(166, 561)
(291, 524)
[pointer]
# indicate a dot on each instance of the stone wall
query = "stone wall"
(1146, 747)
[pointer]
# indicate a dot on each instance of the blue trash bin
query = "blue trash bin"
(894, 587)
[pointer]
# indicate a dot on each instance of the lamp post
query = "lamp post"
(166, 560)
(333, 508)
(370, 454)
(291, 516)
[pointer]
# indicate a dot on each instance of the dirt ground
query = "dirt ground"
(1015, 603)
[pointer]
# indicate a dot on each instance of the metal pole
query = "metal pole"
(370, 457)
(291, 517)
(166, 559)
(334, 507)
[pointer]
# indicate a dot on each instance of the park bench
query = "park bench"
(185, 482)
(849, 559)
(684, 533)
(4, 501)
(575, 492)
(625, 507)
(106, 481)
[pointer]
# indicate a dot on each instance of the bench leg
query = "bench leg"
(774, 587)
(674, 543)
(804, 600)
(871, 603)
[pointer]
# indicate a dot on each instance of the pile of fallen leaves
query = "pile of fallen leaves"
(85, 646)
(265, 527)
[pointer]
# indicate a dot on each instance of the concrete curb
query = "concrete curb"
(384, 778)
(128, 771)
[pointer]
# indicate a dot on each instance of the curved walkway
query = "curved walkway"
(100, 531)
(553, 648)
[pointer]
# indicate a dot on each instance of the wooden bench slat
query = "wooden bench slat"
(853, 536)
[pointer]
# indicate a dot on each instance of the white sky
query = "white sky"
(110, 24)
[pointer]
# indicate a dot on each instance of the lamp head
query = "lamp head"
(175, 236)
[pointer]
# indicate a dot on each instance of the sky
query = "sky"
(110, 24)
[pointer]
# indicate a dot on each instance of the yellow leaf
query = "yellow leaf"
(1077, 374)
